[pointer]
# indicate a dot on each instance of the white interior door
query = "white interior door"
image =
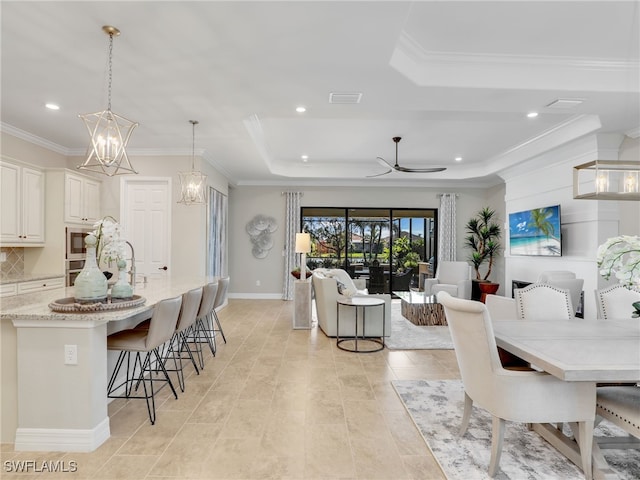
(146, 222)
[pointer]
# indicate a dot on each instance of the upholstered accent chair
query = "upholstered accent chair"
(517, 396)
(328, 285)
(451, 277)
(615, 302)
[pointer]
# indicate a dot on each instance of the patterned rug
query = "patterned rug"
(407, 336)
(436, 409)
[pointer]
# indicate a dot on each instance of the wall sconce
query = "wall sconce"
(607, 180)
(303, 246)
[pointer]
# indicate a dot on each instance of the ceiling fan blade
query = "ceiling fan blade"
(383, 162)
(419, 170)
(380, 174)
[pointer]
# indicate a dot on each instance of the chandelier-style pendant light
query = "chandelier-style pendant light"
(109, 132)
(192, 183)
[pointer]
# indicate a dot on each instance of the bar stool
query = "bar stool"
(204, 318)
(184, 328)
(221, 297)
(148, 342)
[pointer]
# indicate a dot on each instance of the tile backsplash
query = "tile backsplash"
(14, 265)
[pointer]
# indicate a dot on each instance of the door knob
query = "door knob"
(163, 268)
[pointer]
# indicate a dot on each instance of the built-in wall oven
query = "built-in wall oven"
(75, 253)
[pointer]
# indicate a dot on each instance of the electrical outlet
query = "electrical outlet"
(257, 283)
(70, 354)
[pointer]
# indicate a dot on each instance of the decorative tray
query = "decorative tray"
(69, 305)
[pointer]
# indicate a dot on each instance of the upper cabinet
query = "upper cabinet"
(81, 199)
(22, 205)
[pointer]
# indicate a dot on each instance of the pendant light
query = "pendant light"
(109, 132)
(192, 183)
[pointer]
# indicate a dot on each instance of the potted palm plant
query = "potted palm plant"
(483, 239)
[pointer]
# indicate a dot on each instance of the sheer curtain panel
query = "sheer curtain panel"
(447, 228)
(292, 226)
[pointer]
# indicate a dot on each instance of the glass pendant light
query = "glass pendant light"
(192, 183)
(109, 132)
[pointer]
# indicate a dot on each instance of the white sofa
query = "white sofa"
(325, 286)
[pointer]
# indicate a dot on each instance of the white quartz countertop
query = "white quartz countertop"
(35, 306)
(29, 277)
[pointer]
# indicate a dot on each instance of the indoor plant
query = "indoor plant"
(620, 256)
(483, 239)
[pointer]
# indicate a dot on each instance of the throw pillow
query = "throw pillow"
(344, 290)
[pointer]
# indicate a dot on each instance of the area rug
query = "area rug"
(407, 336)
(436, 409)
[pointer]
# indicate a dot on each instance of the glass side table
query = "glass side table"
(361, 304)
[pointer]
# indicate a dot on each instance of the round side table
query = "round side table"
(360, 304)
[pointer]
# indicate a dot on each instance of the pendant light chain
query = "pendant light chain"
(110, 71)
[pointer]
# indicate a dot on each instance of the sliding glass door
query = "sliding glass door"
(386, 247)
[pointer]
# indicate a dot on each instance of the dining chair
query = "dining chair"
(148, 342)
(517, 396)
(615, 302)
(568, 280)
(504, 308)
(541, 301)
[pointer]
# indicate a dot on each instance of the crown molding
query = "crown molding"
(535, 72)
(633, 133)
(34, 139)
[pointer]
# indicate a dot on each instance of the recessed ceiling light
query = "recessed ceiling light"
(458, 159)
(52, 106)
(532, 114)
(301, 109)
(304, 157)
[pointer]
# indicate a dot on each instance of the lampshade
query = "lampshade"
(109, 132)
(193, 184)
(303, 243)
(607, 180)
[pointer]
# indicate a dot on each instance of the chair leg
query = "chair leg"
(497, 436)
(466, 415)
(219, 329)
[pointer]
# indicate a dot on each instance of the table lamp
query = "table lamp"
(303, 246)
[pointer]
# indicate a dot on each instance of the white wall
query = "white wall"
(246, 202)
(548, 180)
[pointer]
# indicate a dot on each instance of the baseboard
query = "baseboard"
(62, 439)
(256, 296)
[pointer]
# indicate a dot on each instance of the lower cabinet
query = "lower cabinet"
(40, 285)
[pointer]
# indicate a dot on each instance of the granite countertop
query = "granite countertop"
(35, 306)
(28, 277)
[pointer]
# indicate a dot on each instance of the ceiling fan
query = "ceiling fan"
(398, 168)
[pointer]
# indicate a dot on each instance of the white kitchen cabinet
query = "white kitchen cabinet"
(81, 199)
(40, 285)
(22, 199)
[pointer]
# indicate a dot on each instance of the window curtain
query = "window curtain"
(217, 234)
(292, 226)
(447, 228)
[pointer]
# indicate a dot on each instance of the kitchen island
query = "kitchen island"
(50, 403)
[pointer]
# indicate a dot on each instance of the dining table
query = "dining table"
(576, 350)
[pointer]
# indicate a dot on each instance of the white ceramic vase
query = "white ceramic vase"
(90, 285)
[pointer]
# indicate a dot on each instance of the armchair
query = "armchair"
(325, 285)
(451, 277)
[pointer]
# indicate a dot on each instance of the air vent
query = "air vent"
(345, 97)
(565, 103)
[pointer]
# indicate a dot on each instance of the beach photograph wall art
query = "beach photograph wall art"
(536, 232)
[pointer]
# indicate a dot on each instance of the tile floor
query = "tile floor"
(274, 403)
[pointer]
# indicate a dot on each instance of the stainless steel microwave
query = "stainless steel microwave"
(75, 243)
